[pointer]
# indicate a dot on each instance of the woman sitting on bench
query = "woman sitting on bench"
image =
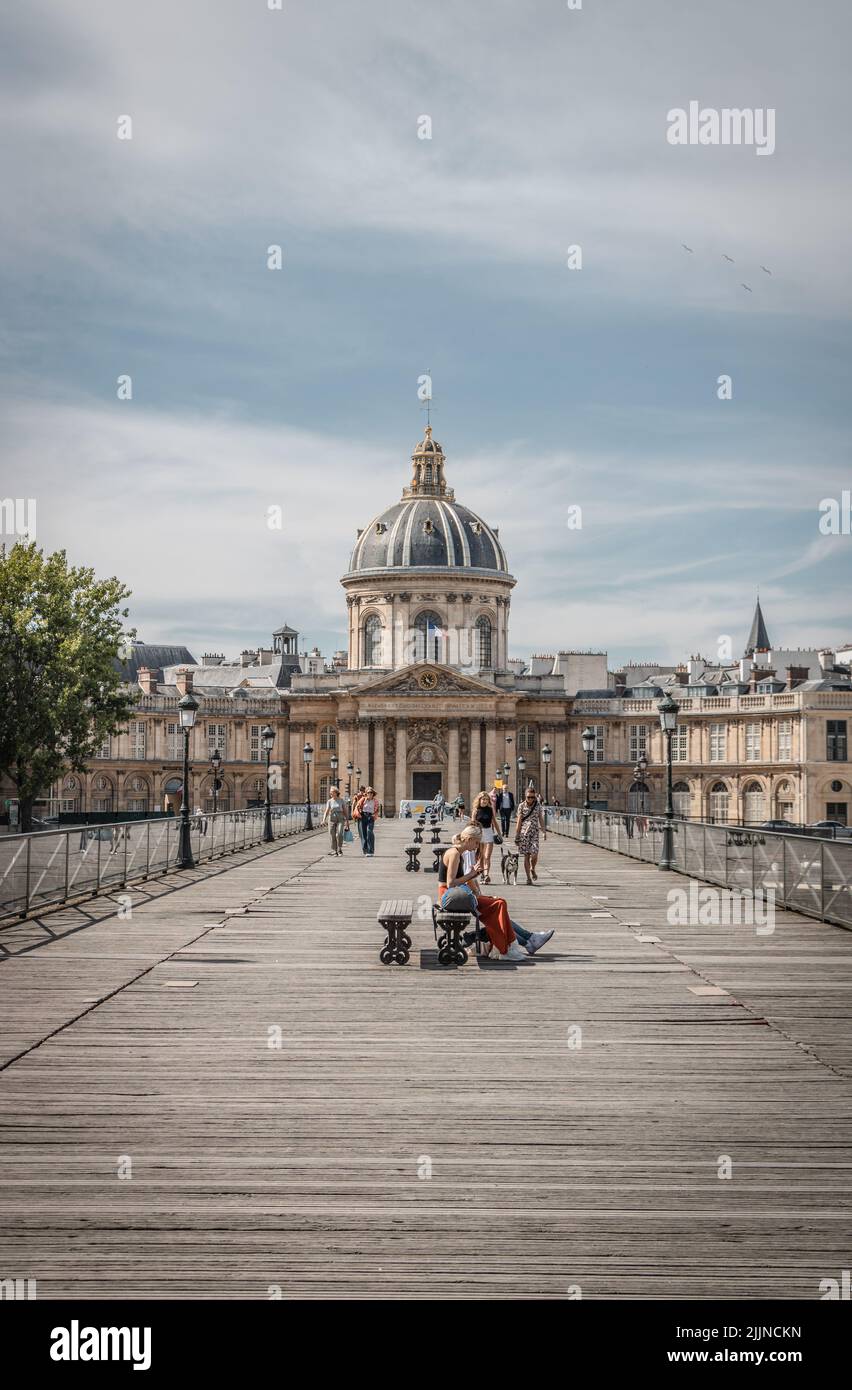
(459, 892)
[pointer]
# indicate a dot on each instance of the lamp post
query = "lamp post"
(267, 738)
(522, 767)
(668, 710)
(546, 755)
(216, 765)
(588, 739)
(334, 766)
(307, 754)
(639, 778)
(349, 770)
(188, 708)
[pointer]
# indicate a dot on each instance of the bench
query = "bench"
(437, 853)
(395, 916)
(448, 928)
(413, 852)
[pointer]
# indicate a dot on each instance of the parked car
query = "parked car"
(831, 829)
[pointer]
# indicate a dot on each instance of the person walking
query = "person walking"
(484, 815)
(336, 817)
(369, 812)
(529, 825)
(505, 805)
(357, 803)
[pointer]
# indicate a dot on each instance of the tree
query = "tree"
(61, 691)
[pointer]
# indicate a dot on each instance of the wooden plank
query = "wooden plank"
(279, 1115)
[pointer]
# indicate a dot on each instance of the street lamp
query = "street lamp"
(267, 738)
(188, 708)
(216, 765)
(506, 772)
(307, 754)
(588, 739)
(668, 710)
(349, 770)
(639, 776)
(546, 755)
(522, 767)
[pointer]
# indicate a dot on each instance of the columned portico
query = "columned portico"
(401, 788)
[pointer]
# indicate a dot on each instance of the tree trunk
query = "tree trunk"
(25, 813)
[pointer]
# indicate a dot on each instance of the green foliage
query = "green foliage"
(60, 691)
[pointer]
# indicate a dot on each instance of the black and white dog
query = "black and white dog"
(509, 866)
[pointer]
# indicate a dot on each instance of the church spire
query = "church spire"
(427, 477)
(758, 638)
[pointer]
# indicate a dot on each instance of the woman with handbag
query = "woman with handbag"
(459, 892)
(529, 825)
(484, 815)
(336, 818)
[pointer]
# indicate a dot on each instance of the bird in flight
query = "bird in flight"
(687, 248)
(768, 272)
(747, 287)
(727, 258)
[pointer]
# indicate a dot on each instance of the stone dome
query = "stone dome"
(428, 528)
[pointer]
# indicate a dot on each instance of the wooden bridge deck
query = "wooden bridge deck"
(254, 1167)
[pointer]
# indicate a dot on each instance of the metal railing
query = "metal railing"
(54, 866)
(806, 874)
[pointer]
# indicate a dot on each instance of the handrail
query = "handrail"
(805, 873)
(48, 867)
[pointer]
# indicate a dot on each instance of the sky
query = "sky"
(554, 387)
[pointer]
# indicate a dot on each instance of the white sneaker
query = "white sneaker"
(515, 953)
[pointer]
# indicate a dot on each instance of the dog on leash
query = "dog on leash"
(509, 866)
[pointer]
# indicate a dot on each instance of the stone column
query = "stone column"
(490, 753)
(362, 746)
(295, 776)
(400, 786)
(475, 754)
(379, 759)
(557, 766)
(453, 786)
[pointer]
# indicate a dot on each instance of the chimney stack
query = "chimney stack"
(147, 680)
(795, 675)
(183, 681)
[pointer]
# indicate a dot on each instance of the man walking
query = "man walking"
(505, 805)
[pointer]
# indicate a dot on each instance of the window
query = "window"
(328, 738)
(719, 800)
(174, 742)
(752, 743)
(255, 750)
(837, 810)
(373, 641)
(718, 743)
(835, 740)
(638, 741)
(680, 745)
(216, 740)
(526, 739)
(427, 637)
(260, 784)
(137, 803)
(103, 803)
(754, 804)
(681, 798)
(323, 789)
(483, 640)
(785, 740)
(598, 750)
(103, 750)
(137, 732)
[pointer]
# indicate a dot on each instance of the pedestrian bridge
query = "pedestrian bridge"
(213, 1088)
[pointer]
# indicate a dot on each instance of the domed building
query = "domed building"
(428, 580)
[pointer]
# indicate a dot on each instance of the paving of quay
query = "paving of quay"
(276, 1097)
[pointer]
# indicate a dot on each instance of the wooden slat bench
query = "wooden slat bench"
(395, 916)
(448, 927)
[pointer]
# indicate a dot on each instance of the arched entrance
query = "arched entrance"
(639, 798)
(681, 799)
(173, 794)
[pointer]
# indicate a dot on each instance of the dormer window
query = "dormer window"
(476, 528)
(428, 527)
(381, 527)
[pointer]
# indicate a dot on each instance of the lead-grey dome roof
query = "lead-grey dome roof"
(428, 533)
(428, 528)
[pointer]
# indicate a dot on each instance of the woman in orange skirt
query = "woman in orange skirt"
(493, 913)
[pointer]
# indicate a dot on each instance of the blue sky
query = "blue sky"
(552, 387)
